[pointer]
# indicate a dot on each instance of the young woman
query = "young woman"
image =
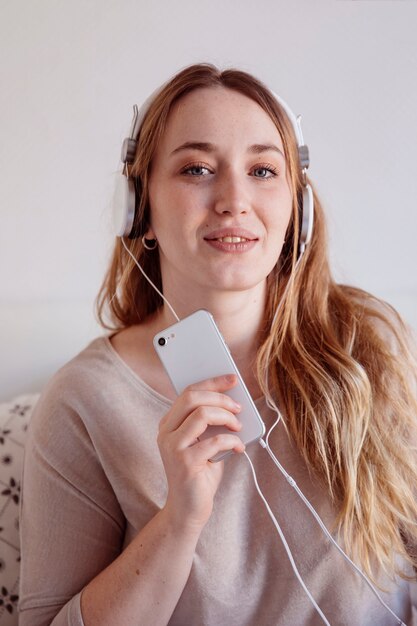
(125, 521)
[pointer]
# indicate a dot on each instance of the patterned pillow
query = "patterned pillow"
(14, 419)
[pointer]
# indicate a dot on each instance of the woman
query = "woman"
(125, 520)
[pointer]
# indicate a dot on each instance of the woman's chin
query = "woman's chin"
(233, 284)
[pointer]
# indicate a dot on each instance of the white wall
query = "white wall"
(70, 72)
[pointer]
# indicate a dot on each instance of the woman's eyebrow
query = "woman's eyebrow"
(257, 148)
(204, 146)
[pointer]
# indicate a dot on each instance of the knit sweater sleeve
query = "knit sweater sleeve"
(72, 526)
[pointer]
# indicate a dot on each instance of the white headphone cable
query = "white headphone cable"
(149, 280)
(286, 546)
(293, 484)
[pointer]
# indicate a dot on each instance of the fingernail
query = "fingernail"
(230, 378)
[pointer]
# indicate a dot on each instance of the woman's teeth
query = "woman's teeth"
(232, 239)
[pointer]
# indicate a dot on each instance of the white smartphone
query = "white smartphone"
(193, 350)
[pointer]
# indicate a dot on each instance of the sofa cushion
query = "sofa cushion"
(14, 420)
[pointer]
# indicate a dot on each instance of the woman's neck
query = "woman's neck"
(239, 317)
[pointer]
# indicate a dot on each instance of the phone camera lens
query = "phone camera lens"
(162, 341)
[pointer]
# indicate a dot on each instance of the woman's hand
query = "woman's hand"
(192, 479)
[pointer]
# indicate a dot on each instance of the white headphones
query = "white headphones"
(307, 208)
(126, 199)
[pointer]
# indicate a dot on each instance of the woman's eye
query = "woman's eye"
(264, 171)
(196, 170)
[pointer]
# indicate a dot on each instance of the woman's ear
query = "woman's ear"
(149, 233)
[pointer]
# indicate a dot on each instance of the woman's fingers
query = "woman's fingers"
(192, 479)
(210, 447)
(205, 393)
(217, 383)
(196, 423)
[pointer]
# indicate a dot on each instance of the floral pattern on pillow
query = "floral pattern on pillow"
(14, 420)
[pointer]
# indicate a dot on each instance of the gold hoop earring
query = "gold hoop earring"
(153, 243)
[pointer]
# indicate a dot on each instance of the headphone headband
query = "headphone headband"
(130, 143)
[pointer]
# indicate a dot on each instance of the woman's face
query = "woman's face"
(220, 201)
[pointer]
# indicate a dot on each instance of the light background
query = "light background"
(70, 73)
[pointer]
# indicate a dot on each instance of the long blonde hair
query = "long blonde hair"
(336, 358)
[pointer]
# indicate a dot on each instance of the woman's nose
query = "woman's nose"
(231, 196)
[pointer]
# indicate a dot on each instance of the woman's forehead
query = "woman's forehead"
(216, 113)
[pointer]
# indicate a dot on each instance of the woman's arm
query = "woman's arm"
(72, 530)
(144, 584)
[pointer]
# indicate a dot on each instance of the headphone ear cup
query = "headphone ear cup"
(139, 226)
(123, 207)
(306, 206)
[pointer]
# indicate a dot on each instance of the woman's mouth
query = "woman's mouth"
(231, 241)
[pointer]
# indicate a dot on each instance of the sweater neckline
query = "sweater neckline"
(138, 381)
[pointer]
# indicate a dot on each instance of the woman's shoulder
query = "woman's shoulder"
(385, 345)
(92, 365)
(377, 317)
(74, 387)
(99, 386)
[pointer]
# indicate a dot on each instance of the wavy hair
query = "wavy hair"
(336, 359)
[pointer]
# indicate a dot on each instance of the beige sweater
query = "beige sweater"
(93, 478)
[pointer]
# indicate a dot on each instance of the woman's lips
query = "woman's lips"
(231, 231)
(226, 246)
(235, 240)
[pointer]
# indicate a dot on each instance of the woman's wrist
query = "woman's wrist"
(179, 524)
